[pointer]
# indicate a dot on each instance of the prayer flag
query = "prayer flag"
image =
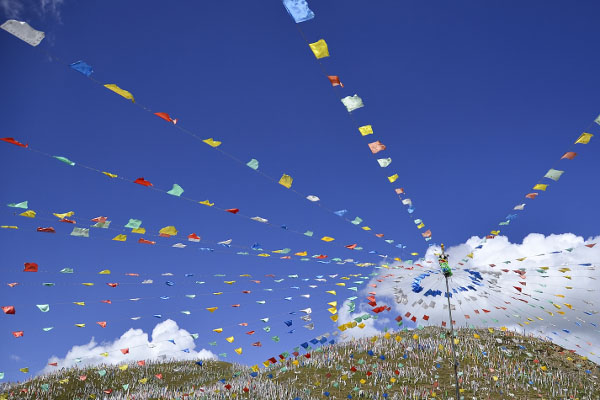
(584, 138)
(83, 67)
(365, 130)
(376, 147)
(352, 102)
(23, 31)
(319, 49)
(119, 91)
(13, 141)
(143, 182)
(298, 10)
(553, 174)
(286, 181)
(335, 80)
(212, 143)
(176, 191)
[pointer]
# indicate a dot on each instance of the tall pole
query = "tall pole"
(443, 261)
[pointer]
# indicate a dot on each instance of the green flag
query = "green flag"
(176, 191)
(43, 307)
(65, 160)
(253, 164)
(133, 223)
(22, 204)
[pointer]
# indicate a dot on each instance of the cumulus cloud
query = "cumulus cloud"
(544, 283)
(140, 346)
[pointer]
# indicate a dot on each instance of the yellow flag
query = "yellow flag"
(332, 310)
(366, 130)
(230, 339)
(24, 370)
(212, 309)
(217, 293)
(143, 380)
(327, 239)
(255, 368)
(109, 174)
(540, 186)
(286, 181)
(123, 367)
(105, 354)
(334, 318)
(238, 350)
(9, 227)
(264, 255)
(80, 325)
(295, 362)
(211, 142)
(392, 380)
(218, 330)
(361, 325)
(119, 91)
(363, 381)
(319, 49)
(80, 303)
(266, 363)
(87, 284)
(340, 284)
(120, 238)
(415, 336)
(139, 230)
(393, 178)
(331, 292)
(495, 232)
(342, 327)
(104, 272)
(421, 225)
(28, 214)
(387, 335)
(168, 230)
(301, 254)
(229, 282)
(332, 303)
(64, 215)
(206, 203)
(476, 336)
(584, 138)
(63, 381)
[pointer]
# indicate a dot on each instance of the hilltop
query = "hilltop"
(398, 365)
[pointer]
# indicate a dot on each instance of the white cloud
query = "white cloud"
(498, 289)
(16, 8)
(139, 345)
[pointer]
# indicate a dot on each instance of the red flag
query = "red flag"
(48, 230)
(351, 246)
(353, 369)
(159, 376)
(399, 191)
(143, 182)
(166, 117)
(569, 155)
(102, 323)
(246, 390)
(125, 351)
(107, 391)
(235, 305)
(113, 284)
(379, 235)
(531, 195)
(8, 309)
(321, 256)
(18, 334)
(286, 258)
(246, 291)
(335, 80)
(590, 245)
(68, 221)
(13, 141)
(106, 301)
(369, 373)
(518, 288)
(100, 219)
(142, 240)
(82, 377)
(31, 267)
(243, 324)
(250, 333)
(307, 355)
(398, 318)
(13, 284)
(414, 319)
(141, 363)
(257, 344)
(228, 386)
(194, 238)
(376, 147)
(426, 234)
(426, 317)
(233, 210)
(443, 323)
(273, 360)
(54, 364)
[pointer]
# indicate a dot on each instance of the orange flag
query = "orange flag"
(569, 155)
(13, 141)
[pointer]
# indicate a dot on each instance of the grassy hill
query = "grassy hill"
(399, 365)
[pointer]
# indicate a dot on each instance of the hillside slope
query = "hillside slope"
(406, 364)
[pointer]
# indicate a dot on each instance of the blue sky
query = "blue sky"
(475, 102)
